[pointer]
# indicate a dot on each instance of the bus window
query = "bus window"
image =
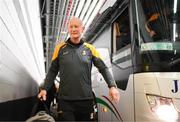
(121, 49)
(121, 31)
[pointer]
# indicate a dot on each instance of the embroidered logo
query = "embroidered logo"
(83, 52)
(65, 53)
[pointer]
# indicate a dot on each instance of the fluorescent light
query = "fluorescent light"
(97, 8)
(174, 32)
(74, 6)
(175, 6)
(85, 9)
(80, 6)
(89, 11)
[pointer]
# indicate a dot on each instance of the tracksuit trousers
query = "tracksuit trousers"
(75, 110)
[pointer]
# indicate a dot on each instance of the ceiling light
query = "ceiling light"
(80, 6)
(96, 10)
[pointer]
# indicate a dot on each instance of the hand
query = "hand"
(152, 33)
(42, 95)
(114, 94)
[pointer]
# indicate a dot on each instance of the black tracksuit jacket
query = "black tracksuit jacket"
(74, 63)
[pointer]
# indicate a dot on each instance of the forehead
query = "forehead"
(75, 21)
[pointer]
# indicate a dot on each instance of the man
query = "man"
(73, 59)
(154, 27)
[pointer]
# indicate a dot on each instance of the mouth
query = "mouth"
(74, 34)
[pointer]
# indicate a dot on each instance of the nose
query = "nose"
(73, 28)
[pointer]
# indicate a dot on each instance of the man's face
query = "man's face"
(75, 28)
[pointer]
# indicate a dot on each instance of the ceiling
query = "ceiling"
(55, 15)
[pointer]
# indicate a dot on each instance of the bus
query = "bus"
(140, 43)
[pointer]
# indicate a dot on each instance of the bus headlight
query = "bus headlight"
(163, 107)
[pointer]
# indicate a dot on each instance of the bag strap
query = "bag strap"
(46, 108)
(35, 107)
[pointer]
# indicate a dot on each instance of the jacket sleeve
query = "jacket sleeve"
(51, 75)
(103, 69)
(53, 70)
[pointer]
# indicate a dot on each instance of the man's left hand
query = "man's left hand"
(114, 94)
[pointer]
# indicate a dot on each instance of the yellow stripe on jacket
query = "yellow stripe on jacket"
(93, 50)
(56, 50)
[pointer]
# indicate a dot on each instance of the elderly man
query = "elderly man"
(73, 59)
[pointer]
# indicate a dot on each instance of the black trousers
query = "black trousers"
(76, 110)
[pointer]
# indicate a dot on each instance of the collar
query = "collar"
(77, 45)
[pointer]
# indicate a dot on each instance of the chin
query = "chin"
(75, 37)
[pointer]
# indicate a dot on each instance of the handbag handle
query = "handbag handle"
(35, 107)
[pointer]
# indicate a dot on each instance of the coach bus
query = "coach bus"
(140, 43)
